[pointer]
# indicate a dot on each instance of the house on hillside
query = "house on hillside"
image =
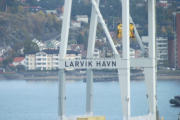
(96, 53)
(18, 61)
(51, 12)
(163, 3)
(79, 48)
(75, 25)
(82, 18)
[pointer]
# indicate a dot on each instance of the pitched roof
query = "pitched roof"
(18, 59)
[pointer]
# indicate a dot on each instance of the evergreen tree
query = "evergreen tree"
(30, 47)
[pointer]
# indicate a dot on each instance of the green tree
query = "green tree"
(7, 61)
(50, 4)
(32, 2)
(9, 5)
(30, 47)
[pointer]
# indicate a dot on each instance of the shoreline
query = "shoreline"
(99, 76)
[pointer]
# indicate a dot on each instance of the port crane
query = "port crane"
(123, 63)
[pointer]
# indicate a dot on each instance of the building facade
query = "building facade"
(171, 53)
(162, 51)
(82, 18)
(47, 59)
(177, 56)
(174, 45)
(30, 61)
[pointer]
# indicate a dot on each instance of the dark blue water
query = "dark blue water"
(22, 100)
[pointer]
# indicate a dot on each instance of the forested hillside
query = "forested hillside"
(18, 24)
(16, 28)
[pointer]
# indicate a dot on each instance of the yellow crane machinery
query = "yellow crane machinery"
(131, 31)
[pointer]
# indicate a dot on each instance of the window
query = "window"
(39, 59)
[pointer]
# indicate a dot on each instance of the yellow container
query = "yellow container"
(91, 118)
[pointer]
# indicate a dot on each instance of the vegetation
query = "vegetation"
(20, 24)
(19, 27)
(30, 47)
(111, 10)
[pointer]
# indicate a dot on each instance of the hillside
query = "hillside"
(19, 24)
(15, 28)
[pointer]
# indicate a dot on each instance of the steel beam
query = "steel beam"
(123, 63)
(90, 51)
(124, 74)
(136, 33)
(62, 96)
(101, 20)
(150, 73)
(139, 40)
(62, 52)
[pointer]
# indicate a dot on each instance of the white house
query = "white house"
(18, 61)
(51, 11)
(82, 18)
(75, 24)
(96, 53)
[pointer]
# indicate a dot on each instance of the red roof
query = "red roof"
(18, 59)
(1, 59)
(11, 65)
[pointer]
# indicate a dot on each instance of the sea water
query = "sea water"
(38, 100)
